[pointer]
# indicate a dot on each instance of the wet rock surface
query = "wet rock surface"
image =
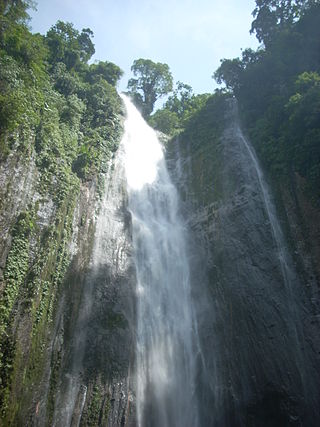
(98, 318)
(260, 362)
(17, 187)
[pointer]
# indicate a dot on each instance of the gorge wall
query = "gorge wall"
(68, 334)
(257, 322)
(62, 302)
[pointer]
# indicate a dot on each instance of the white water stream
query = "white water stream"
(165, 326)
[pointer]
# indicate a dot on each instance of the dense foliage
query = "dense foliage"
(278, 88)
(180, 106)
(272, 16)
(40, 74)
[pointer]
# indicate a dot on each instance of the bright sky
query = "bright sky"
(191, 36)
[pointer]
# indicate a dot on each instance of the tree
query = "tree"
(165, 120)
(68, 45)
(178, 110)
(272, 15)
(15, 11)
(180, 100)
(13, 23)
(229, 72)
(303, 127)
(85, 44)
(153, 81)
(106, 70)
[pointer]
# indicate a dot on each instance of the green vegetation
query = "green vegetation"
(153, 81)
(274, 16)
(98, 405)
(94, 408)
(278, 88)
(178, 110)
(200, 138)
(207, 121)
(63, 115)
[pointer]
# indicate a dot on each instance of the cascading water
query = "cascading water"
(166, 336)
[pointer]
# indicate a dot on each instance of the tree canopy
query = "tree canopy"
(32, 65)
(153, 80)
(271, 16)
(68, 45)
(15, 11)
(178, 109)
(106, 70)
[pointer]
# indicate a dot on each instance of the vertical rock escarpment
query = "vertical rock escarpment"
(260, 358)
(97, 320)
(66, 310)
(59, 129)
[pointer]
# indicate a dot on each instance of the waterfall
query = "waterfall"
(166, 338)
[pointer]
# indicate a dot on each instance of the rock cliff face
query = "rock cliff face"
(97, 318)
(67, 299)
(257, 303)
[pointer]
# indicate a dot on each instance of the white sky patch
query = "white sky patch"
(140, 36)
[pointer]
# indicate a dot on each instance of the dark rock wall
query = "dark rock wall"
(259, 361)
